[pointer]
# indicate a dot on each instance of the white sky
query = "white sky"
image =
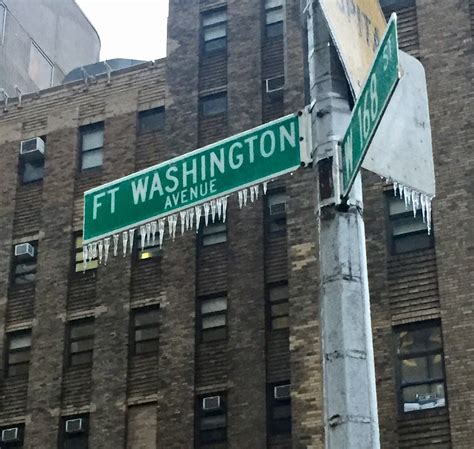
(132, 29)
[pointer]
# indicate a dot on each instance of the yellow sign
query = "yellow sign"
(356, 27)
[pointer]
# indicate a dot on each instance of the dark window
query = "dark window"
(214, 233)
(407, 232)
(92, 143)
(81, 341)
(212, 418)
(276, 211)
(420, 366)
(213, 104)
(24, 263)
(279, 408)
(151, 120)
(275, 85)
(146, 322)
(12, 436)
(278, 305)
(18, 353)
(74, 432)
(79, 257)
(214, 31)
(274, 16)
(151, 249)
(32, 170)
(213, 317)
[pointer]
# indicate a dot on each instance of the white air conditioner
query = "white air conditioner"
(277, 203)
(281, 392)
(32, 148)
(11, 435)
(211, 403)
(25, 250)
(275, 84)
(74, 425)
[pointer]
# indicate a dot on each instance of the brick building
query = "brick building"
(194, 345)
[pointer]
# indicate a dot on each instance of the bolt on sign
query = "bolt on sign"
(233, 164)
(356, 27)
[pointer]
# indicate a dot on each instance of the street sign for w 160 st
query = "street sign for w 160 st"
(371, 104)
(241, 161)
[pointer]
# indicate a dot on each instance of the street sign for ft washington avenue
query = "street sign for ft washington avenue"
(238, 162)
(371, 104)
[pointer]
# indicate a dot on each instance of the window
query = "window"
(151, 120)
(213, 104)
(420, 367)
(214, 31)
(24, 263)
(278, 304)
(279, 408)
(31, 170)
(213, 314)
(3, 21)
(274, 16)
(18, 355)
(214, 233)
(74, 431)
(275, 84)
(212, 416)
(276, 211)
(40, 68)
(407, 233)
(145, 333)
(79, 257)
(150, 250)
(92, 143)
(81, 341)
(12, 436)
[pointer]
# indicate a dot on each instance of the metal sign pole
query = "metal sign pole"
(350, 408)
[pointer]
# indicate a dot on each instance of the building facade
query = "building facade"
(41, 41)
(213, 340)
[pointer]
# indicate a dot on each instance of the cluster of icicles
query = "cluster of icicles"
(153, 233)
(417, 201)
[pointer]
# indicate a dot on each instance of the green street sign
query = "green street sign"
(370, 106)
(238, 162)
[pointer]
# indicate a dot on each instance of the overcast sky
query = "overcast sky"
(134, 29)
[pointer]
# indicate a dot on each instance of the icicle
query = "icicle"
(213, 210)
(148, 232)
(241, 198)
(143, 235)
(94, 250)
(131, 233)
(198, 210)
(85, 255)
(224, 208)
(405, 195)
(106, 249)
(188, 219)
(101, 250)
(170, 224)
(206, 213)
(395, 187)
(265, 185)
(89, 252)
(161, 231)
(245, 194)
(428, 214)
(191, 218)
(116, 243)
(154, 226)
(252, 194)
(423, 207)
(219, 208)
(174, 223)
(182, 216)
(256, 188)
(124, 242)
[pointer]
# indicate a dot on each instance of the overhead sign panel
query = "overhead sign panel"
(357, 27)
(371, 105)
(227, 166)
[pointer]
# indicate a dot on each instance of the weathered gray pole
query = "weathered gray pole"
(350, 407)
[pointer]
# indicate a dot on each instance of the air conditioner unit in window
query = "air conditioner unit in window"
(11, 435)
(282, 392)
(211, 403)
(277, 208)
(24, 250)
(74, 425)
(32, 148)
(275, 84)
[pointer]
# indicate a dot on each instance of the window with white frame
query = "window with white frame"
(213, 317)
(276, 211)
(18, 353)
(92, 144)
(278, 305)
(274, 17)
(214, 31)
(214, 233)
